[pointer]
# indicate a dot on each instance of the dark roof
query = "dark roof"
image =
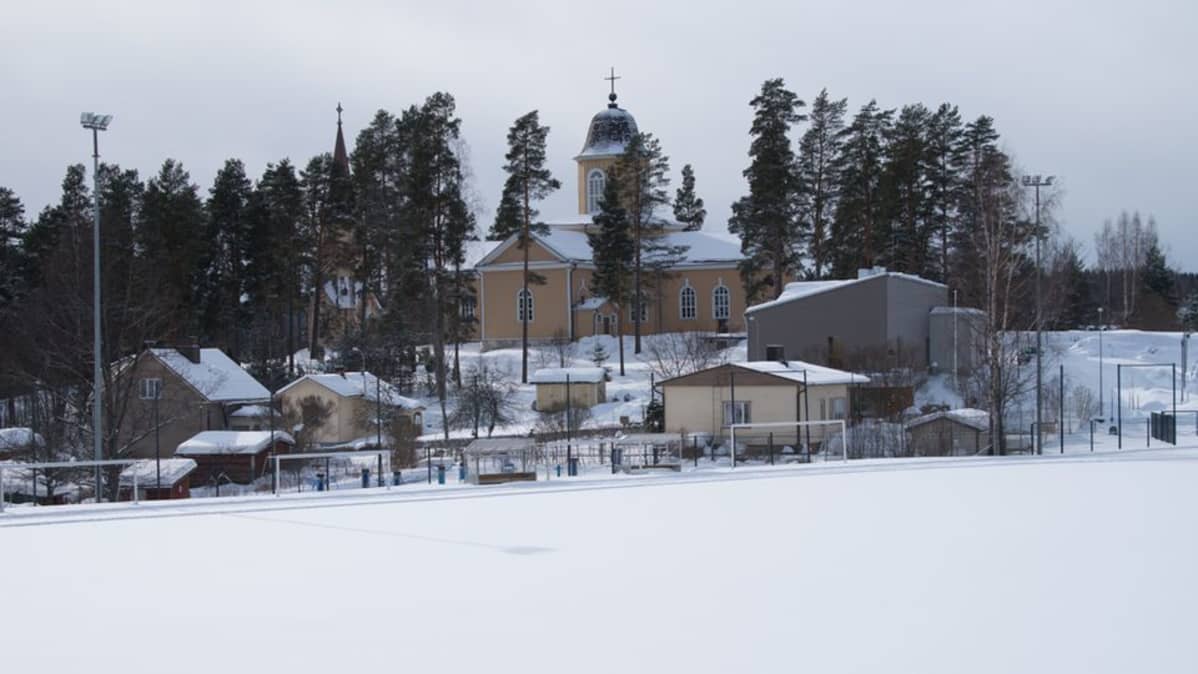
(609, 132)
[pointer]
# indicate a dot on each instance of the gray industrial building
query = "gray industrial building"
(880, 320)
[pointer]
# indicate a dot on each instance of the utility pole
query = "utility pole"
(1037, 182)
(96, 123)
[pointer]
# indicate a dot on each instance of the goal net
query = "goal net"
(787, 441)
(322, 471)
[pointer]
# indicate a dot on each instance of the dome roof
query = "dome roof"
(610, 131)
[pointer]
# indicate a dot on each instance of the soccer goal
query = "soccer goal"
(787, 437)
(329, 469)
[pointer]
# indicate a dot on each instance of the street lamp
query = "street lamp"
(1037, 182)
(96, 123)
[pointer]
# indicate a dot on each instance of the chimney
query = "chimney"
(191, 352)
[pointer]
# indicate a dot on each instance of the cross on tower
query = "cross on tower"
(339, 113)
(612, 96)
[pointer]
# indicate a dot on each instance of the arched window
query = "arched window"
(686, 302)
(596, 181)
(524, 306)
(721, 301)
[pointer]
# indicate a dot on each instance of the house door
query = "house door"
(609, 325)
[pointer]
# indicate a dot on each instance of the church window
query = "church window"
(596, 181)
(686, 303)
(644, 310)
(720, 302)
(468, 308)
(524, 306)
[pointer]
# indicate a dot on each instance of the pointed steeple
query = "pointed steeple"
(340, 156)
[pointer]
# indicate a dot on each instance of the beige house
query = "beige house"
(958, 432)
(708, 402)
(167, 395)
(701, 291)
(584, 386)
(351, 401)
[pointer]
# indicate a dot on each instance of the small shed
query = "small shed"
(240, 456)
(175, 475)
(254, 418)
(957, 432)
(587, 387)
(499, 460)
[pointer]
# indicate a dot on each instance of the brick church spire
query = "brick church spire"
(340, 157)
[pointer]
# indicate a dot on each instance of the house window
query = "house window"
(838, 408)
(596, 181)
(823, 409)
(686, 303)
(736, 412)
(151, 388)
(720, 302)
(524, 306)
(467, 308)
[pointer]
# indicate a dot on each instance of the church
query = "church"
(702, 291)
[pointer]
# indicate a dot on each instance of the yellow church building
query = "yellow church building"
(701, 292)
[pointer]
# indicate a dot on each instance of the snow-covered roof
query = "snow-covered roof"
(965, 311)
(968, 416)
(609, 132)
(591, 303)
(216, 377)
(18, 438)
(574, 246)
(577, 375)
(355, 384)
(795, 370)
(209, 443)
(253, 412)
(146, 471)
(475, 251)
(802, 289)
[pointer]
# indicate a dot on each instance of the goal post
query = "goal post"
(797, 427)
(382, 464)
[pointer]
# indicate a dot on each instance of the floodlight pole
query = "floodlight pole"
(568, 415)
(1036, 182)
(96, 123)
(1100, 326)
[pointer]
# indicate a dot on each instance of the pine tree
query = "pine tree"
(1157, 277)
(640, 174)
(509, 215)
(12, 231)
(229, 226)
(532, 182)
(858, 228)
(944, 158)
(613, 254)
(325, 231)
(818, 150)
(379, 165)
(982, 169)
(1077, 309)
(688, 208)
(904, 189)
(273, 271)
(173, 245)
(435, 198)
(767, 219)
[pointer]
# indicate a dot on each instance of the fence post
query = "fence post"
(135, 495)
(1, 489)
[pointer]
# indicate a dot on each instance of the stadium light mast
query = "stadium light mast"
(96, 123)
(1037, 182)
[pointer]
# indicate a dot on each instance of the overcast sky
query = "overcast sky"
(1101, 94)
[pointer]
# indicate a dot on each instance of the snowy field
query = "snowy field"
(1034, 564)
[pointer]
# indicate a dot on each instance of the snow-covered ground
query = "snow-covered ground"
(1028, 564)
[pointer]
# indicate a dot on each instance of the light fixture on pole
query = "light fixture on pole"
(96, 123)
(1037, 182)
